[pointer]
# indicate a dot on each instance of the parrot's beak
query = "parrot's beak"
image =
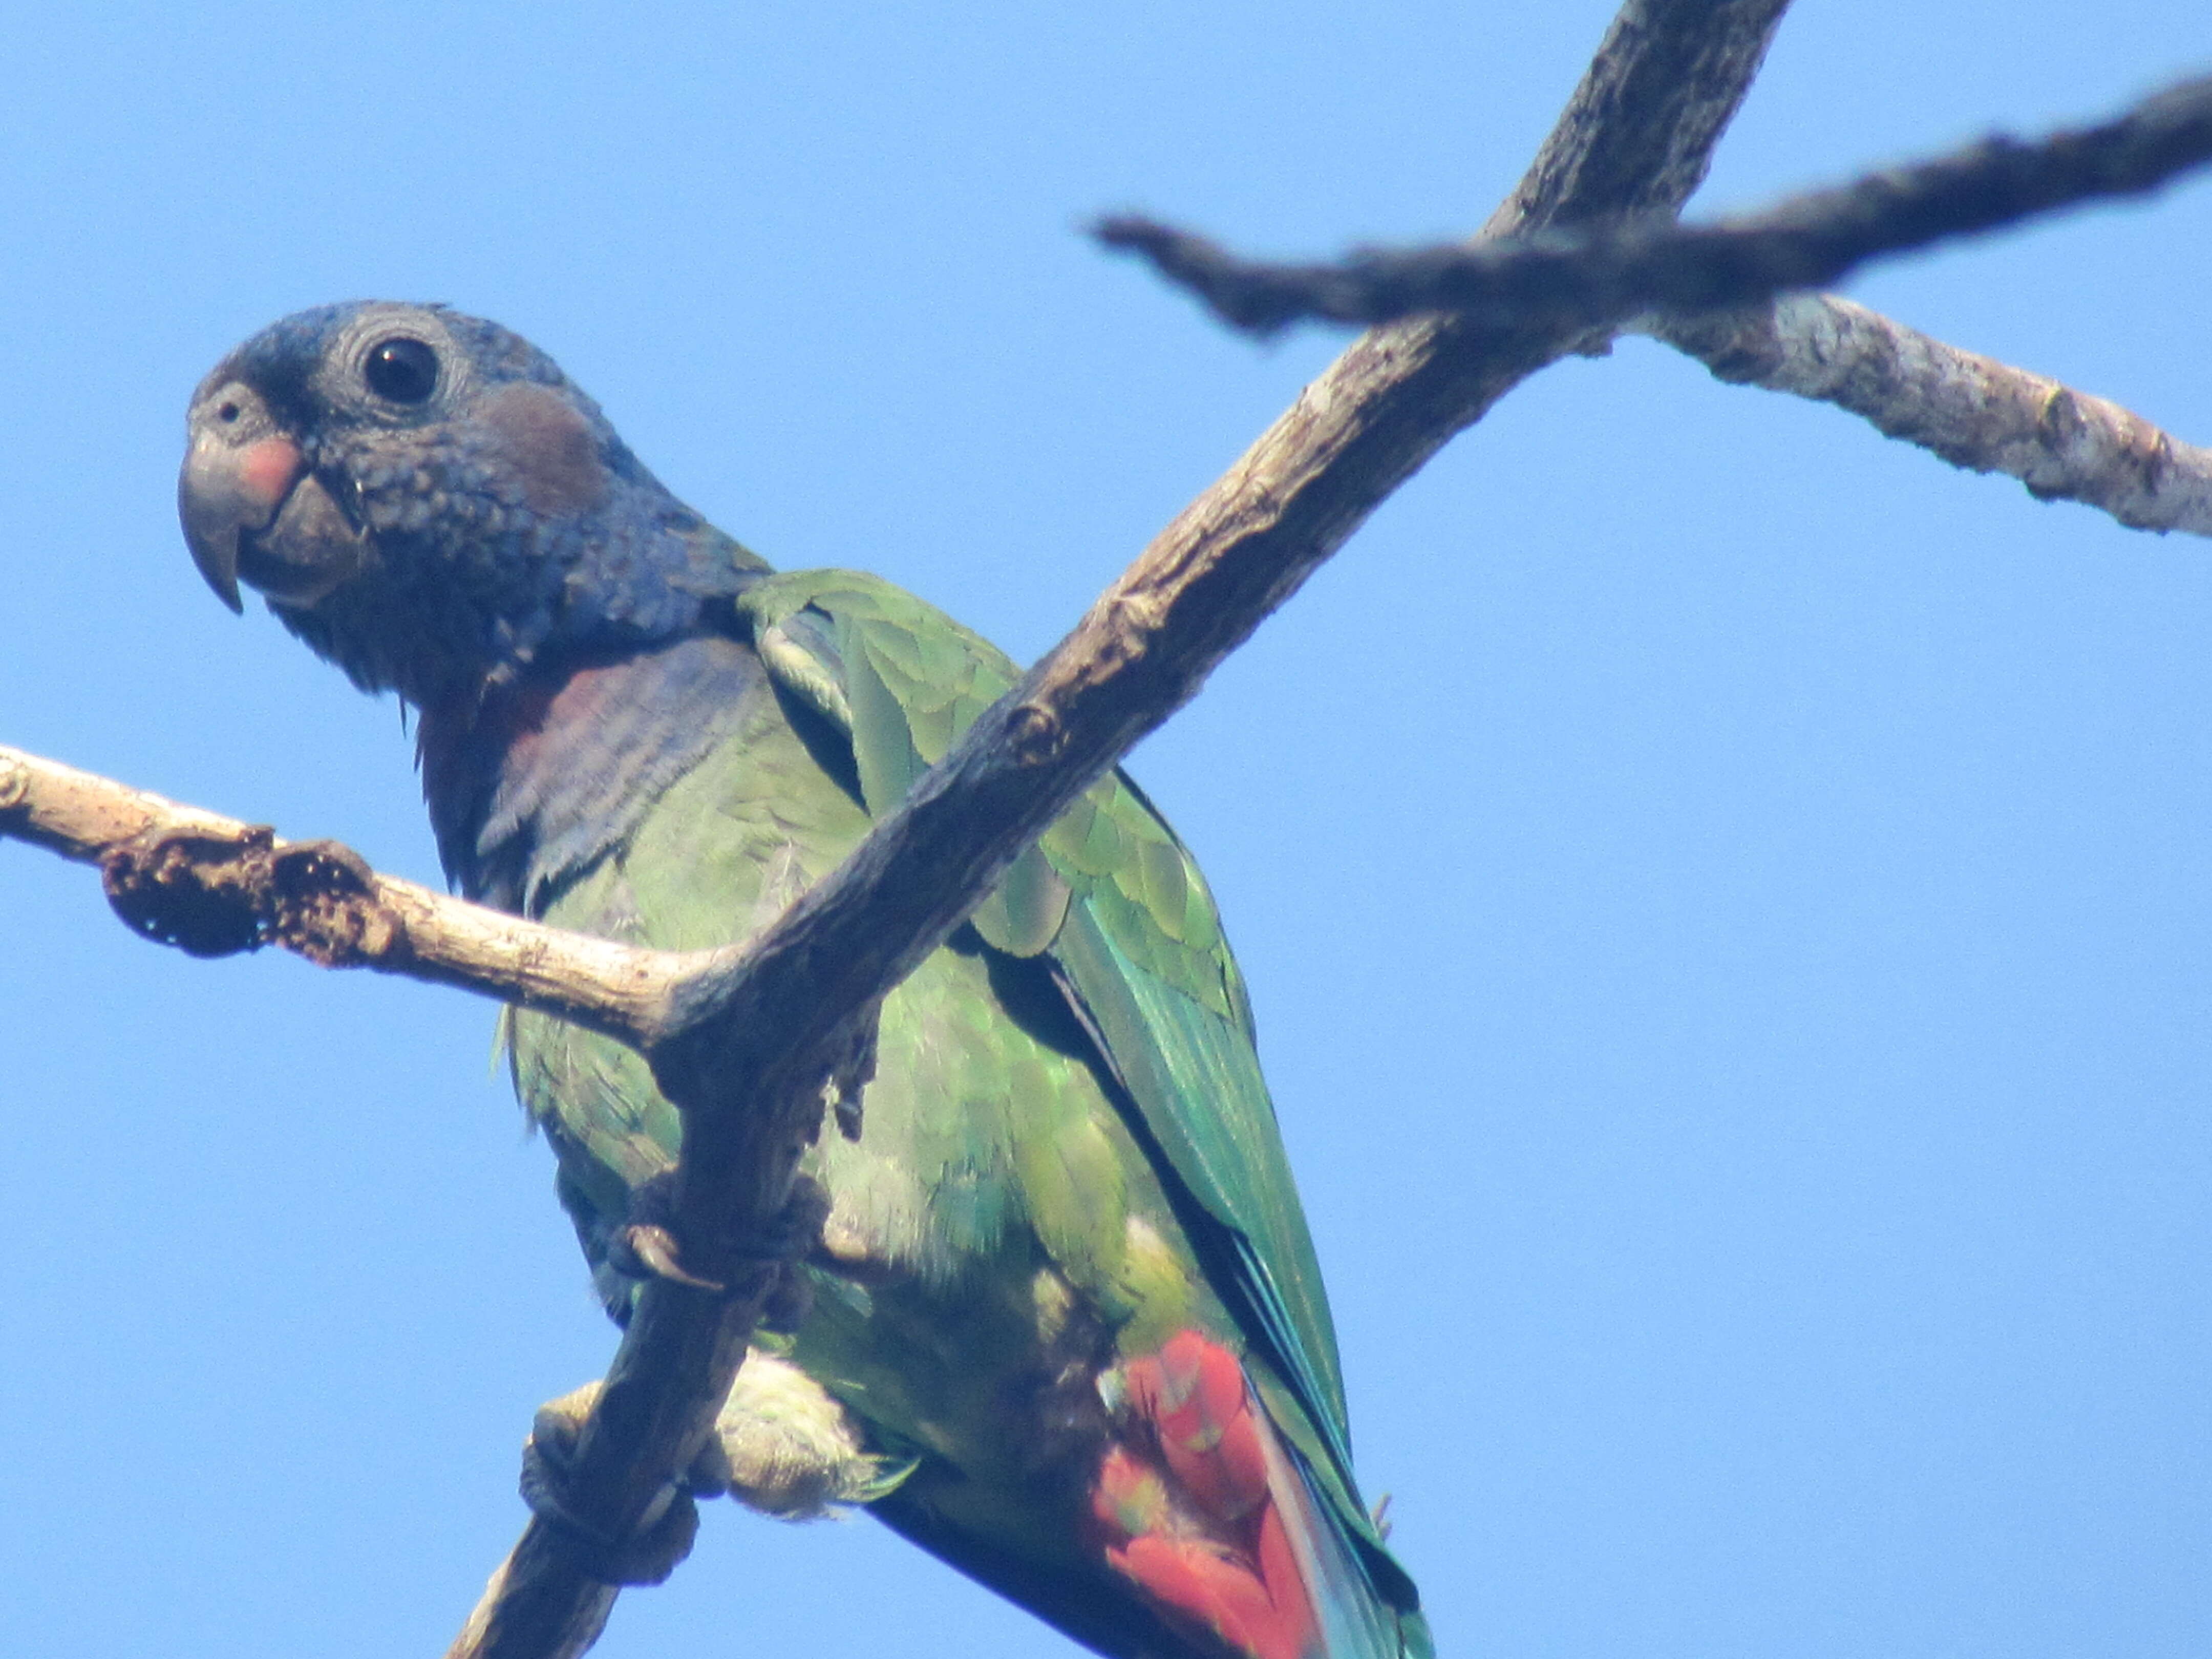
(251, 509)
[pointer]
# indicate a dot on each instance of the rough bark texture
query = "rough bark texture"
(1972, 410)
(1641, 128)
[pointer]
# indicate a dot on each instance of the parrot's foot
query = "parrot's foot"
(645, 1247)
(646, 1557)
(788, 1448)
(782, 1445)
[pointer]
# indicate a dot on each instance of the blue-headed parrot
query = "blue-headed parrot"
(1066, 1330)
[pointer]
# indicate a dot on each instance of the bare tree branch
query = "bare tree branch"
(212, 885)
(744, 1044)
(1602, 275)
(1639, 133)
(750, 1041)
(1972, 410)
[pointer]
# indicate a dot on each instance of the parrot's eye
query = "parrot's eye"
(402, 369)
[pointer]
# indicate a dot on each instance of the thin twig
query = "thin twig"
(1602, 275)
(1972, 410)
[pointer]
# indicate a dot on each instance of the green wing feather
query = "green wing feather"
(1113, 899)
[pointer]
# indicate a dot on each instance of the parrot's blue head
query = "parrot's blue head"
(427, 501)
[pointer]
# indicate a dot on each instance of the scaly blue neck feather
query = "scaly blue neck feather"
(533, 782)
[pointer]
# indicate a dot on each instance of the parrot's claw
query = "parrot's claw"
(645, 1247)
(646, 1557)
(847, 1082)
(645, 1250)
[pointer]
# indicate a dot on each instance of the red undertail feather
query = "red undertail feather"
(1191, 1514)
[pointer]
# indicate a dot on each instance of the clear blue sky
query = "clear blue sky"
(1726, 897)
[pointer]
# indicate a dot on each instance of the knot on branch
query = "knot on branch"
(212, 894)
(321, 902)
(201, 892)
(1035, 733)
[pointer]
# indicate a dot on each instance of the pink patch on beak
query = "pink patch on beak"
(266, 471)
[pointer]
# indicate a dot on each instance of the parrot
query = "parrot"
(1063, 1324)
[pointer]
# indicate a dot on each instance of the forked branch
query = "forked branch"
(766, 1028)
(745, 1041)
(1708, 290)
